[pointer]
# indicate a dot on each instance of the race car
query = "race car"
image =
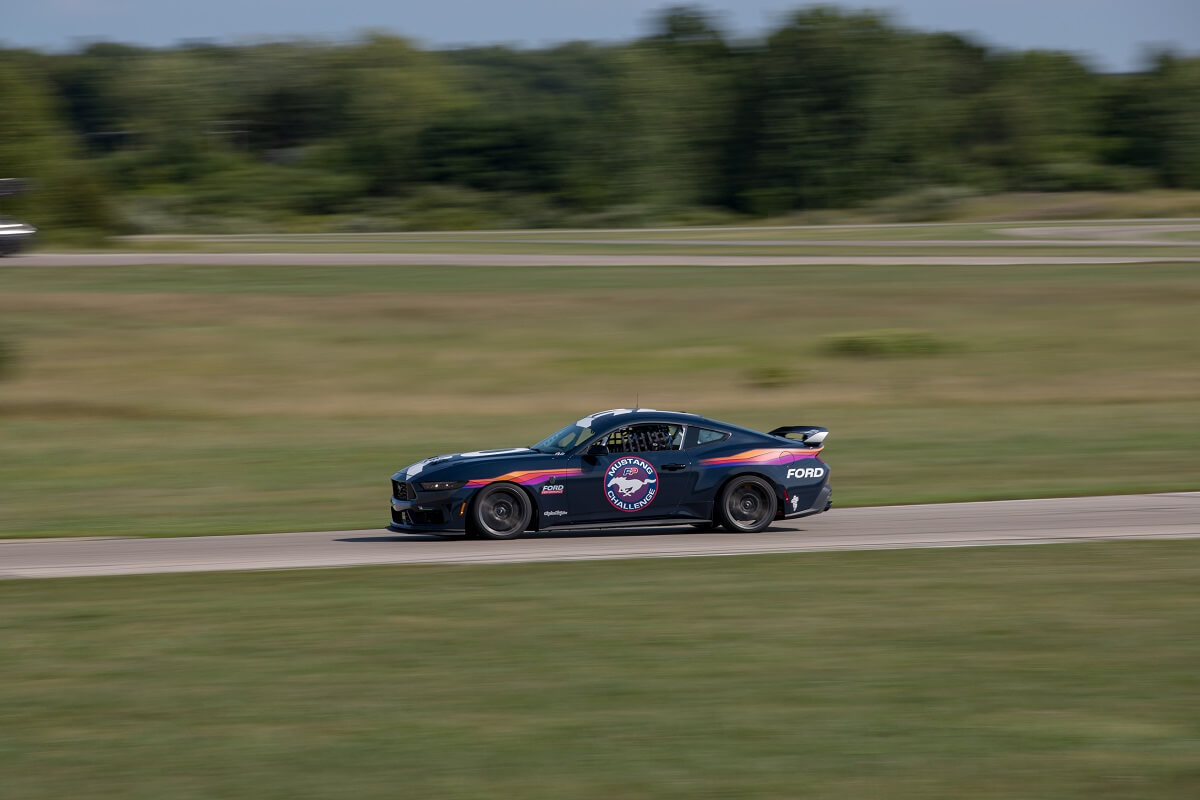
(622, 467)
(14, 236)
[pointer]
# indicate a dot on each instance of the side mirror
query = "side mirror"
(597, 450)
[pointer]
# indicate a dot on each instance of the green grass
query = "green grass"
(186, 400)
(1004, 248)
(1049, 672)
(970, 239)
(992, 219)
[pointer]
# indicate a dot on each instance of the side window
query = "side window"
(650, 437)
(698, 437)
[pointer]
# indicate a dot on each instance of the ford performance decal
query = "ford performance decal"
(528, 477)
(770, 456)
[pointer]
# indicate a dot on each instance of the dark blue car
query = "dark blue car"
(631, 467)
(14, 236)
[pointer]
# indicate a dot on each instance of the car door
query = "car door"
(645, 475)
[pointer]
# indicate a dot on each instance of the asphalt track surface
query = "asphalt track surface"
(539, 260)
(1147, 516)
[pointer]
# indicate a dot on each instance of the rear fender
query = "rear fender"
(774, 483)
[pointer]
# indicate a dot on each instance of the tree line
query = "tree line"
(828, 109)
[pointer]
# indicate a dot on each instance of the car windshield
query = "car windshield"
(565, 439)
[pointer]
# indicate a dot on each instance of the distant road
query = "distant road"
(1148, 516)
(540, 260)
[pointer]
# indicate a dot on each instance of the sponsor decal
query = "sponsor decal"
(807, 472)
(795, 503)
(553, 488)
(630, 484)
(559, 513)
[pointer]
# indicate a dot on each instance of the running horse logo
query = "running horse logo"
(627, 483)
(630, 484)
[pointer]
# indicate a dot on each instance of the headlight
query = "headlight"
(441, 486)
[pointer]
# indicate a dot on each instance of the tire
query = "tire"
(500, 511)
(747, 505)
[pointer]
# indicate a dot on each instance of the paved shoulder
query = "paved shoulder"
(893, 527)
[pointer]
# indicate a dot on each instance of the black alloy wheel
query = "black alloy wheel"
(747, 505)
(500, 511)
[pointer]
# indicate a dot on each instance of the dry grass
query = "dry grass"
(272, 398)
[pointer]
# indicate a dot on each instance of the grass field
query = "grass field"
(729, 249)
(1059, 671)
(183, 400)
(968, 238)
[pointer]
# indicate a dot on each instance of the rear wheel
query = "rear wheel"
(747, 504)
(500, 511)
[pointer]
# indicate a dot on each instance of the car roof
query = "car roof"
(617, 417)
(634, 414)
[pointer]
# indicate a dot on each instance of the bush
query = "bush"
(1081, 177)
(930, 204)
(702, 216)
(885, 344)
(261, 187)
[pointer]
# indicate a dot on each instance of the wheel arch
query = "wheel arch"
(535, 519)
(534, 511)
(772, 482)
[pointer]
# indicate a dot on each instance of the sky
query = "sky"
(1112, 34)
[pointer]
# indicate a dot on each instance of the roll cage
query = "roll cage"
(652, 436)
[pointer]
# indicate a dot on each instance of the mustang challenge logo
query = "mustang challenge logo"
(630, 484)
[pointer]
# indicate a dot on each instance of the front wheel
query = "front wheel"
(747, 505)
(500, 511)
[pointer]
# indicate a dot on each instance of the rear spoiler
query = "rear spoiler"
(809, 434)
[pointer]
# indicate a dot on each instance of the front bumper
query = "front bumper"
(429, 511)
(394, 528)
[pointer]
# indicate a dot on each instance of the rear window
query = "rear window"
(698, 437)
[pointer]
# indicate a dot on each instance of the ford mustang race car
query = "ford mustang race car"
(14, 236)
(631, 467)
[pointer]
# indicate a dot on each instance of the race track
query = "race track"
(1150, 516)
(546, 260)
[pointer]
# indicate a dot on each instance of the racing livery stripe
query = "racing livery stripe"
(526, 477)
(761, 456)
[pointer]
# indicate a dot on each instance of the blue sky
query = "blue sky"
(1113, 34)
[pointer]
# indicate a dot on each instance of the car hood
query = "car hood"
(477, 463)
